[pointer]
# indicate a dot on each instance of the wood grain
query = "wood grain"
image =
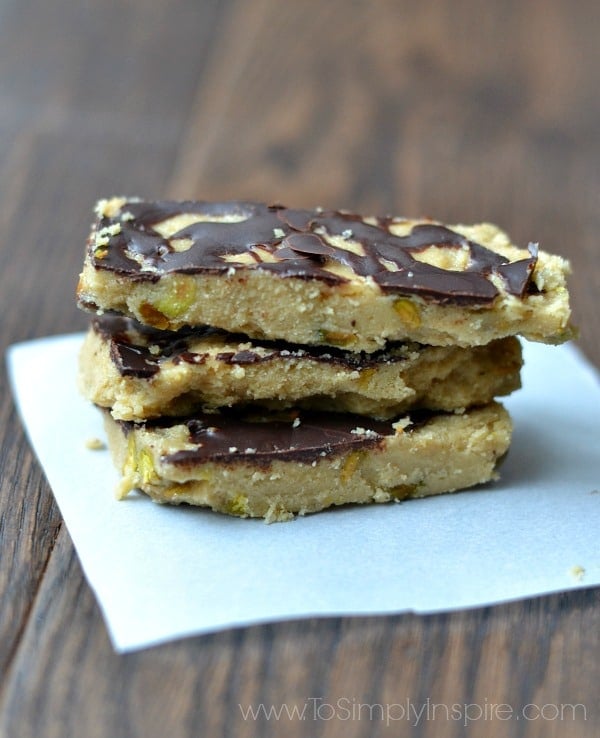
(465, 111)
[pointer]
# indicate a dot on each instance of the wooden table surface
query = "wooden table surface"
(461, 110)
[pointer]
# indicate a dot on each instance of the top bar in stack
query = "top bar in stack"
(319, 276)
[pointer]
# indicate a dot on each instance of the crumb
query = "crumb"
(367, 432)
(109, 208)
(101, 207)
(104, 235)
(296, 423)
(401, 424)
(278, 233)
(95, 444)
(577, 572)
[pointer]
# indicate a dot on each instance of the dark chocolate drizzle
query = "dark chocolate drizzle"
(130, 341)
(295, 238)
(132, 361)
(259, 439)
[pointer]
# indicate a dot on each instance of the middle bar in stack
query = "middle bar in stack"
(267, 427)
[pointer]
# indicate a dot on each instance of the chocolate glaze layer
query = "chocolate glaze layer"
(239, 437)
(130, 341)
(296, 240)
(130, 353)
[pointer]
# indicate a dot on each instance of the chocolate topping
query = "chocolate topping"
(240, 437)
(130, 352)
(297, 241)
(132, 361)
(130, 343)
(513, 273)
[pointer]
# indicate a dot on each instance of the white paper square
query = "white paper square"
(161, 572)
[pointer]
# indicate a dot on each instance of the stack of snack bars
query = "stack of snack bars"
(266, 361)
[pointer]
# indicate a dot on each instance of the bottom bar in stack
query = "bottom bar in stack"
(256, 463)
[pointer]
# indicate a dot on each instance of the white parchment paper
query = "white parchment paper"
(162, 573)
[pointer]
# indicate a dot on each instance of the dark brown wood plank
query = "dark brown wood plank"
(87, 108)
(66, 681)
(460, 111)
